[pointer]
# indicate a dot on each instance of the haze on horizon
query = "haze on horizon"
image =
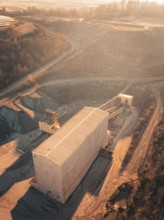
(94, 1)
(68, 2)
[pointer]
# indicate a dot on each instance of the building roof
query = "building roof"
(61, 145)
(125, 95)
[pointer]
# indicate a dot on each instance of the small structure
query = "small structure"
(6, 21)
(63, 159)
(126, 99)
(49, 124)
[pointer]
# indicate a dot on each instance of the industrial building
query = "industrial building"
(63, 159)
(126, 99)
(49, 123)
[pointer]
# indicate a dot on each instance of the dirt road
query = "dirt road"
(141, 150)
(77, 45)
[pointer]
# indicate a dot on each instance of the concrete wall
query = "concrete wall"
(48, 176)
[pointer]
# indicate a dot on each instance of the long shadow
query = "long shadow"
(20, 170)
(36, 206)
(19, 121)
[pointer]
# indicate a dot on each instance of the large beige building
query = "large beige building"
(62, 160)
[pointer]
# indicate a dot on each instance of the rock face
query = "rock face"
(17, 121)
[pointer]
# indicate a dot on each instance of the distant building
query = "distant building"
(63, 159)
(126, 99)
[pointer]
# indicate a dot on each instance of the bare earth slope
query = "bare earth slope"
(25, 47)
(128, 52)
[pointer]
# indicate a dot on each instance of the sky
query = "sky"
(101, 1)
(107, 1)
(158, 1)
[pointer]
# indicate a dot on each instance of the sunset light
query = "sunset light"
(81, 109)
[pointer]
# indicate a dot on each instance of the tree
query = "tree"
(3, 11)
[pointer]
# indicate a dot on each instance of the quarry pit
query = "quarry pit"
(67, 99)
(107, 172)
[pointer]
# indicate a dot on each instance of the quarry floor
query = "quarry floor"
(130, 58)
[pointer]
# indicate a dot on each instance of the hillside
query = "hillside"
(24, 47)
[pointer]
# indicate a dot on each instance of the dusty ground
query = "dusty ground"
(118, 53)
(145, 201)
(128, 52)
(34, 205)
